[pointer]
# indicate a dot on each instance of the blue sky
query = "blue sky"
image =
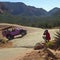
(45, 4)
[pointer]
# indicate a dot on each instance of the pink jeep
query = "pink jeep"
(10, 32)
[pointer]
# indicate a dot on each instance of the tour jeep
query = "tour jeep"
(10, 32)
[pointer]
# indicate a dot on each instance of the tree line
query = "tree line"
(33, 21)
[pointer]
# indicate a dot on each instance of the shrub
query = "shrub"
(50, 44)
(57, 38)
(3, 40)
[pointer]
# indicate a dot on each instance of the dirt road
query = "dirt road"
(13, 53)
(34, 35)
(25, 44)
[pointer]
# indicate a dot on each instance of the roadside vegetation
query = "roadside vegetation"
(35, 21)
(5, 44)
(55, 44)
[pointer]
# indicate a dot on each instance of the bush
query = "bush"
(57, 38)
(3, 40)
(50, 45)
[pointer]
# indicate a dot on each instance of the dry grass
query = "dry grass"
(6, 45)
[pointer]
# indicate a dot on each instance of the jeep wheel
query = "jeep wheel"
(23, 33)
(10, 37)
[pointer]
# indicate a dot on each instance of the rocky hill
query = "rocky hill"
(20, 8)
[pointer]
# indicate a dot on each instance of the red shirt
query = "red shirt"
(47, 36)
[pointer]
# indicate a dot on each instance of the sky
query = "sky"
(45, 4)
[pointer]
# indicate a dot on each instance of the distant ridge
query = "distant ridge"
(19, 8)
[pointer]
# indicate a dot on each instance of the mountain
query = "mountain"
(2, 7)
(19, 8)
(53, 11)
